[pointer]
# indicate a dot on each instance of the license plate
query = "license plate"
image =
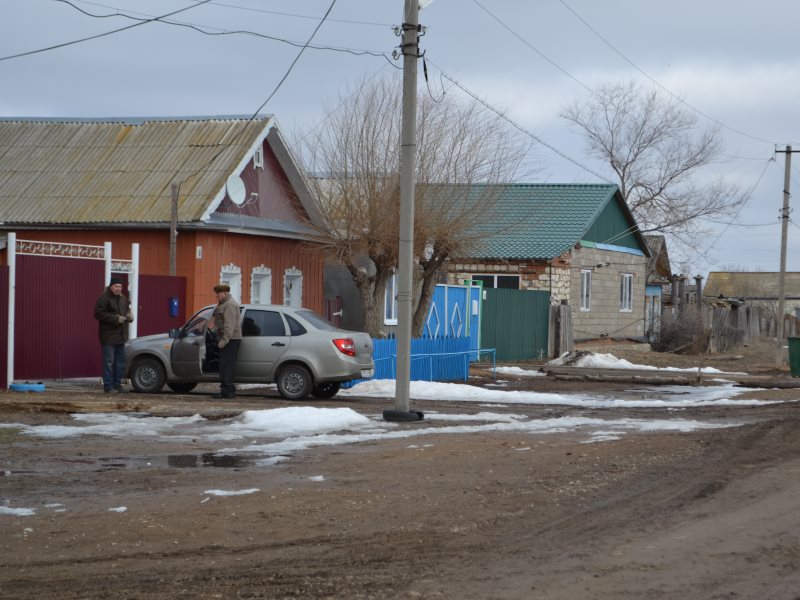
(367, 373)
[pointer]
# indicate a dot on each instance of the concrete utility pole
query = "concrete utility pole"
(408, 151)
(784, 234)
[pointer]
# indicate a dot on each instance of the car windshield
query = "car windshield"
(197, 324)
(316, 320)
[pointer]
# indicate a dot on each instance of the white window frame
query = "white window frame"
(390, 300)
(626, 292)
(586, 290)
(232, 275)
(261, 285)
(258, 158)
(293, 287)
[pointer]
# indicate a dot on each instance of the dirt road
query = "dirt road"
(655, 514)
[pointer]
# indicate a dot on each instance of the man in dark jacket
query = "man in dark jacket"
(229, 338)
(113, 314)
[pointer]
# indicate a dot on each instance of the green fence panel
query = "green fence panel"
(515, 323)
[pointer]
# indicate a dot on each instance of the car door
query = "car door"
(189, 348)
(264, 340)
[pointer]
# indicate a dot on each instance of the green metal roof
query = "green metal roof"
(544, 220)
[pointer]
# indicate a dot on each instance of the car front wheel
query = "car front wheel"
(323, 391)
(148, 376)
(294, 382)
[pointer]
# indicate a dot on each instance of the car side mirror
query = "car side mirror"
(174, 333)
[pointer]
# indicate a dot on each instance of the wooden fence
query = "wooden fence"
(730, 327)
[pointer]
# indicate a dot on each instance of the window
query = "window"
(586, 289)
(258, 158)
(295, 328)
(261, 285)
(390, 301)
(293, 287)
(262, 323)
(626, 292)
(232, 275)
(197, 326)
(505, 282)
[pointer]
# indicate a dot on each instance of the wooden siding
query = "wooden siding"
(218, 249)
(249, 252)
(276, 199)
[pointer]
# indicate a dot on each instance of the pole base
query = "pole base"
(402, 416)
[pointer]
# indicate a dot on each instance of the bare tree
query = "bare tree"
(658, 154)
(355, 155)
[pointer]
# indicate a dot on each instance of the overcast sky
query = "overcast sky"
(734, 62)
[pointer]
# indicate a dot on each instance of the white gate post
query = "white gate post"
(133, 286)
(107, 259)
(12, 290)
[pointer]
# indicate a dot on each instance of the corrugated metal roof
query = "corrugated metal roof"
(537, 220)
(762, 285)
(60, 171)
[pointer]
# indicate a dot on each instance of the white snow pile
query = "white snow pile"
(592, 360)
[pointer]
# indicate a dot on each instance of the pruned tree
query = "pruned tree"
(355, 157)
(659, 156)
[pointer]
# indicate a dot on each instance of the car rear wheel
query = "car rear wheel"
(181, 387)
(148, 376)
(294, 382)
(323, 391)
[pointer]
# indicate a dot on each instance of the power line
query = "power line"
(516, 125)
(258, 10)
(219, 31)
(99, 35)
(679, 99)
(534, 48)
(285, 14)
(263, 104)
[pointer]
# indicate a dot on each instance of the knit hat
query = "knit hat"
(116, 280)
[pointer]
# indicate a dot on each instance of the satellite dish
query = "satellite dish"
(235, 188)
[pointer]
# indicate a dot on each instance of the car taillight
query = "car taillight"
(345, 346)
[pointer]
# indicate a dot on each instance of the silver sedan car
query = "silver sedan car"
(295, 348)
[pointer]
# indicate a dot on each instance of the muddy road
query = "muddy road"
(653, 513)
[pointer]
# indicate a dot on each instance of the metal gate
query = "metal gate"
(48, 294)
(56, 334)
(516, 323)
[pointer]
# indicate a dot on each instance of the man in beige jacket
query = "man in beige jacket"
(229, 338)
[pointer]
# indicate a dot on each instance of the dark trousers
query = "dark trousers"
(227, 366)
(113, 365)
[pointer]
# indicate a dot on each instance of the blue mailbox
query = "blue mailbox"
(173, 306)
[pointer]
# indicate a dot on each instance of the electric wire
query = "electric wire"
(678, 98)
(204, 29)
(516, 125)
(263, 104)
(99, 35)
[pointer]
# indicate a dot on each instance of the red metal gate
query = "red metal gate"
(55, 330)
(156, 305)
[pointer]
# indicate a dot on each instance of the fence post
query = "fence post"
(12, 286)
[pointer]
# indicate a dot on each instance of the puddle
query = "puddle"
(209, 459)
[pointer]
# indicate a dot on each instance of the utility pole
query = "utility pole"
(173, 232)
(408, 151)
(784, 234)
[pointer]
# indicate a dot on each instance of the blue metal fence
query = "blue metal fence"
(439, 359)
